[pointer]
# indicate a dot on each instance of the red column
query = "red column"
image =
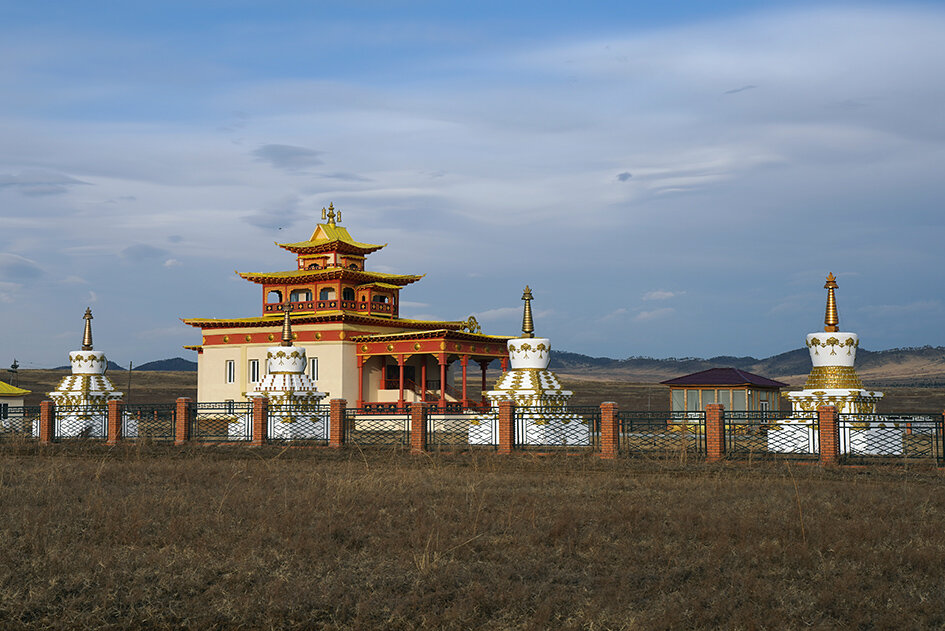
(506, 426)
(418, 428)
(114, 421)
(609, 430)
(361, 361)
(504, 362)
(260, 420)
(182, 421)
(829, 436)
(423, 377)
(442, 359)
(482, 395)
(464, 360)
(400, 397)
(336, 423)
(47, 422)
(714, 432)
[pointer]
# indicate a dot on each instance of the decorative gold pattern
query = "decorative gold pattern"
(833, 343)
(270, 337)
(416, 346)
(832, 378)
(226, 338)
(318, 335)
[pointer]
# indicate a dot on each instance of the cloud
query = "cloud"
(36, 183)
(645, 316)
(141, 252)
(277, 215)
(623, 177)
(75, 280)
(413, 305)
(661, 294)
(741, 89)
(615, 314)
(490, 315)
(172, 263)
(344, 177)
(92, 297)
(288, 157)
(17, 268)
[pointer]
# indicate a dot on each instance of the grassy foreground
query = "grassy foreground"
(159, 537)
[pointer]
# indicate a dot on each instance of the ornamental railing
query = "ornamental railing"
(560, 427)
(19, 420)
(221, 422)
(81, 422)
(462, 429)
(661, 432)
(149, 421)
(294, 423)
(901, 436)
(772, 433)
(377, 427)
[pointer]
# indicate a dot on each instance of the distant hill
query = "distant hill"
(177, 363)
(924, 366)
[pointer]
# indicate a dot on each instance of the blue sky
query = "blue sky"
(672, 179)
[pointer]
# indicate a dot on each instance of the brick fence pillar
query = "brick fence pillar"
(418, 428)
(828, 435)
(714, 432)
(609, 430)
(182, 421)
(336, 423)
(47, 421)
(506, 427)
(115, 408)
(260, 420)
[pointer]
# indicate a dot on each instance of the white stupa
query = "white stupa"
(536, 391)
(293, 396)
(832, 381)
(86, 388)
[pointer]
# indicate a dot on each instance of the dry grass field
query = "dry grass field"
(223, 538)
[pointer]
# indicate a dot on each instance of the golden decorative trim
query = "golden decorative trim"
(271, 337)
(416, 346)
(390, 347)
(318, 335)
(341, 335)
(248, 338)
(833, 378)
(364, 348)
(226, 338)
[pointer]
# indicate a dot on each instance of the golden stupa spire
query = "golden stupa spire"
(528, 326)
(87, 336)
(831, 319)
(286, 326)
(330, 214)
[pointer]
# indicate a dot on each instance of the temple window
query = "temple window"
(353, 266)
(300, 295)
(327, 293)
(274, 296)
(230, 371)
(313, 266)
(379, 299)
(347, 294)
(254, 371)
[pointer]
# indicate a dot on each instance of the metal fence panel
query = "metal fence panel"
(298, 422)
(463, 429)
(149, 421)
(557, 426)
(221, 422)
(661, 432)
(908, 436)
(81, 421)
(19, 420)
(782, 433)
(372, 427)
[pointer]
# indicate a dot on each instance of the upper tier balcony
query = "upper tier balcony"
(382, 309)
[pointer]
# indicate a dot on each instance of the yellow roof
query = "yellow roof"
(6, 390)
(327, 233)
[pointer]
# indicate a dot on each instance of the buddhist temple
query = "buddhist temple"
(347, 321)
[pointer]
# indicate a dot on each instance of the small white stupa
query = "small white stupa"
(86, 387)
(536, 391)
(833, 381)
(293, 396)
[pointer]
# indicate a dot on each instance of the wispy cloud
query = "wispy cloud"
(36, 183)
(661, 294)
(288, 157)
(645, 316)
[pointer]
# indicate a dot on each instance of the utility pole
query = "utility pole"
(14, 370)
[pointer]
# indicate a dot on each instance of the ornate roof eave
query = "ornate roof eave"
(332, 273)
(329, 317)
(335, 245)
(449, 334)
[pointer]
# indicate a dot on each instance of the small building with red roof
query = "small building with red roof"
(735, 389)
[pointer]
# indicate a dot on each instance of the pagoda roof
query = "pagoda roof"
(724, 377)
(450, 334)
(330, 238)
(359, 277)
(6, 390)
(322, 316)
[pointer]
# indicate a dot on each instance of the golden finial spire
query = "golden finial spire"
(831, 319)
(324, 216)
(331, 214)
(87, 336)
(286, 325)
(528, 326)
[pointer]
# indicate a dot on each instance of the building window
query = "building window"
(274, 296)
(230, 371)
(379, 299)
(313, 368)
(692, 401)
(347, 294)
(254, 371)
(738, 400)
(679, 400)
(300, 295)
(327, 293)
(725, 398)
